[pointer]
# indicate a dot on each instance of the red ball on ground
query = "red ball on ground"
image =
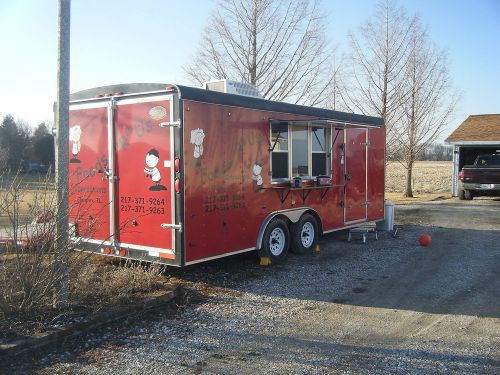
(425, 240)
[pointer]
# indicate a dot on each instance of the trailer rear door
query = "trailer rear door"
(145, 169)
(88, 153)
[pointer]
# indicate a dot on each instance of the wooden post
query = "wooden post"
(62, 149)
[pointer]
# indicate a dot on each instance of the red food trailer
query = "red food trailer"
(180, 175)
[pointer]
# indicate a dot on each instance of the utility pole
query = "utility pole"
(62, 149)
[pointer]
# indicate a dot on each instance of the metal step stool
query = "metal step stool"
(363, 231)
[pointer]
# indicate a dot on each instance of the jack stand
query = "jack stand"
(316, 249)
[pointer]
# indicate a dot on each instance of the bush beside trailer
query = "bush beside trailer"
(180, 175)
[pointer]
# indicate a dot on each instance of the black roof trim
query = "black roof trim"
(206, 96)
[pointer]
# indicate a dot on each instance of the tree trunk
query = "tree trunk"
(409, 190)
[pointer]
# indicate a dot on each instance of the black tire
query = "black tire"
(305, 235)
(461, 195)
(468, 195)
(276, 241)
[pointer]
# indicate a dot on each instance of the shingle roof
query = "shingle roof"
(477, 128)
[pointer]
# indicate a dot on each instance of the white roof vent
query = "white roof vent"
(233, 87)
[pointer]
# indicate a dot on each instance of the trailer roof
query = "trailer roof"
(207, 96)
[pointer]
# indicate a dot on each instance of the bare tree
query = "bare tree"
(377, 65)
(428, 104)
(277, 45)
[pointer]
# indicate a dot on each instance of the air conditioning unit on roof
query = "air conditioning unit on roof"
(233, 87)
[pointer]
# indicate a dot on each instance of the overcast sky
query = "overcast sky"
(120, 41)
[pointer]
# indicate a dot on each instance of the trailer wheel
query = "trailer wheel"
(468, 195)
(276, 241)
(304, 234)
(461, 195)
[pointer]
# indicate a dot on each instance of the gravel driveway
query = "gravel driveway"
(388, 306)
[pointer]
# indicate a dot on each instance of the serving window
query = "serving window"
(299, 150)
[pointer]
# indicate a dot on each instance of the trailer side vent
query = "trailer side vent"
(233, 87)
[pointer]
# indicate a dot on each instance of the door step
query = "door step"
(364, 231)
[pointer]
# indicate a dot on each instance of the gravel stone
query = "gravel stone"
(385, 307)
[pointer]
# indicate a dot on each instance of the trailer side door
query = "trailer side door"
(355, 175)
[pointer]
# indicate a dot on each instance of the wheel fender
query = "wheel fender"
(293, 215)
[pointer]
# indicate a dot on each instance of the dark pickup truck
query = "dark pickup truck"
(482, 178)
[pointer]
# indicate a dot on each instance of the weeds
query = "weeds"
(28, 275)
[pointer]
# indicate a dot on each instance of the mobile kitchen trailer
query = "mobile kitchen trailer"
(181, 175)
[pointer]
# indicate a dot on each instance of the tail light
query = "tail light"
(177, 165)
(461, 175)
(177, 185)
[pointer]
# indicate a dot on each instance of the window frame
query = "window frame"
(272, 150)
(309, 126)
(327, 151)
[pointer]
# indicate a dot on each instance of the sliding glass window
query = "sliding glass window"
(320, 139)
(279, 141)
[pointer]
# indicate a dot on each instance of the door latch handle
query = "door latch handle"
(348, 176)
(105, 174)
(171, 226)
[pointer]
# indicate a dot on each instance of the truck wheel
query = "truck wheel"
(468, 195)
(304, 234)
(461, 195)
(276, 241)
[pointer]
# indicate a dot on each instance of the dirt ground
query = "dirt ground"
(388, 306)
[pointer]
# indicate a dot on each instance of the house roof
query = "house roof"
(477, 128)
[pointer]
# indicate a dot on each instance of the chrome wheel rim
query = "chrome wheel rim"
(307, 234)
(277, 241)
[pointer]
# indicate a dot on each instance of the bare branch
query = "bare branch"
(280, 46)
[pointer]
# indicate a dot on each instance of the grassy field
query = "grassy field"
(431, 182)
(428, 177)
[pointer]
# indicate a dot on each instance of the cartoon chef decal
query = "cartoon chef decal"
(257, 169)
(197, 137)
(75, 133)
(152, 159)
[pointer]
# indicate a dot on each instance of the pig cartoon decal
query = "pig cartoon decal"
(197, 137)
(257, 169)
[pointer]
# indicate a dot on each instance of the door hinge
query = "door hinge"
(172, 226)
(170, 123)
(342, 204)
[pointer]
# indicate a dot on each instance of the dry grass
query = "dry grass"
(398, 198)
(428, 177)
(95, 284)
(98, 283)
